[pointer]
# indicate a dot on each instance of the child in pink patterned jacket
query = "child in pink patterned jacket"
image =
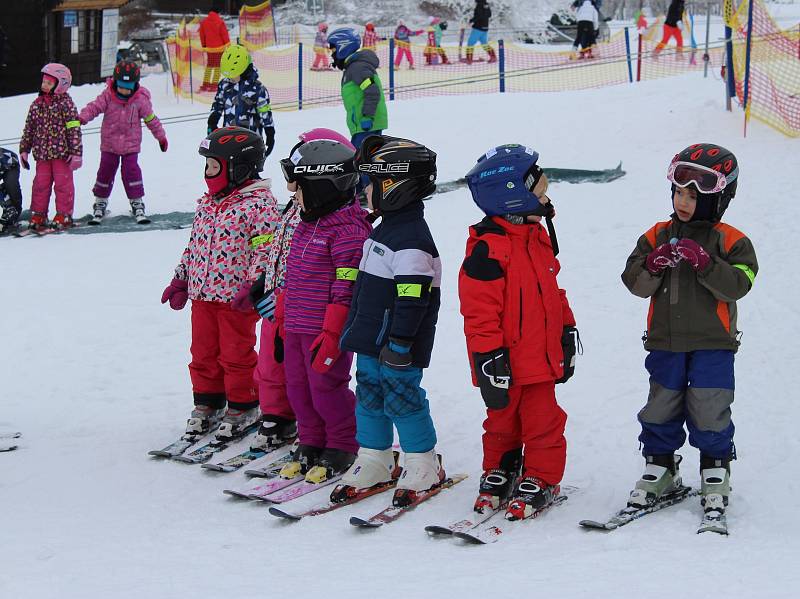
(52, 132)
(124, 104)
(228, 248)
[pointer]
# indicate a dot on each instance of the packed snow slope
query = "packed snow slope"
(94, 375)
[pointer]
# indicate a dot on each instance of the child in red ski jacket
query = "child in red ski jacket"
(520, 332)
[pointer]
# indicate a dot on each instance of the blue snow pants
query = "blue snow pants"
(693, 387)
(385, 397)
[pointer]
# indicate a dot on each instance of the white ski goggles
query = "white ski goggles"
(705, 179)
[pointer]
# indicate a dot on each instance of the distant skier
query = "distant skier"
(124, 104)
(480, 30)
(588, 22)
(693, 268)
(10, 192)
(521, 334)
(434, 47)
(321, 62)
(228, 247)
(214, 38)
(671, 28)
(370, 38)
(241, 99)
(402, 44)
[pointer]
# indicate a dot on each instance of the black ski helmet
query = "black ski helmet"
(127, 74)
(241, 149)
(325, 172)
(711, 206)
(401, 171)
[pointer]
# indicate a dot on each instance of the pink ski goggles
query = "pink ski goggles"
(705, 179)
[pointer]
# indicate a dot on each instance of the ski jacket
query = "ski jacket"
(244, 103)
(9, 181)
(321, 43)
(369, 40)
(510, 298)
(322, 265)
(689, 310)
(587, 12)
(275, 267)
(229, 243)
(121, 131)
(362, 92)
(213, 32)
(674, 13)
(480, 18)
(398, 289)
(52, 130)
(403, 34)
(8, 160)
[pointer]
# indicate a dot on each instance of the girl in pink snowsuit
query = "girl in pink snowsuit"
(52, 132)
(124, 104)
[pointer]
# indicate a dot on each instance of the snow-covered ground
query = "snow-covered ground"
(94, 374)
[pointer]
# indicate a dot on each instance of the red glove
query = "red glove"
(664, 256)
(325, 348)
(241, 301)
(693, 253)
(163, 144)
(176, 293)
(74, 161)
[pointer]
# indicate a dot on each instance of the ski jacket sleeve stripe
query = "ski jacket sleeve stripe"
(416, 273)
(73, 124)
(263, 107)
(346, 251)
(361, 73)
(730, 276)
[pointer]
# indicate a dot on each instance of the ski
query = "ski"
(142, 220)
(176, 448)
(491, 532)
(10, 435)
(473, 520)
(260, 491)
(270, 471)
(202, 454)
(294, 491)
(629, 514)
(243, 459)
(8, 446)
(392, 513)
(329, 506)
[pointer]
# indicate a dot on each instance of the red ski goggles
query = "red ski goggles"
(705, 179)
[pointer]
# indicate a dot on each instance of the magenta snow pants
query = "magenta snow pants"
(269, 376)
(323, 403)
(53, 174)
(131, 175)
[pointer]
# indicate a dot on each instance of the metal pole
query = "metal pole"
(705, 52)
(628, 54)
(191, 65)
(300, 76)
(501, 65)
(730, 87)
(391, 68)
(639, 60)
(747, 64)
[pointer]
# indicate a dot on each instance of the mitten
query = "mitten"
(325, 348)
(664, 256)
(493, 371)
(693, 253)
(176, 293)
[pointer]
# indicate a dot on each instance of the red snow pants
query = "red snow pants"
(670, 32)
(270, 376)
(533, 420)
(223, 358)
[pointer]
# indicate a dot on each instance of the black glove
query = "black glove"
(269, 133)
(277, 352)
(571, 344)
(396, 354)
(213, 122)
(493, 371)
(263, 300)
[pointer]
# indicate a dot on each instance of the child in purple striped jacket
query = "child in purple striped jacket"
(320, 273)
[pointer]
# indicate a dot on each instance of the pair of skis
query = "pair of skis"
(177, 451)
(8, 441)
(140, 220)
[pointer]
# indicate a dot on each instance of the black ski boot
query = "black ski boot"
(496, 484)
(304, 458)
(531, 495)
(332, 462)
(274, 432)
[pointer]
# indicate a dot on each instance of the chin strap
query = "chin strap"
(551, 230)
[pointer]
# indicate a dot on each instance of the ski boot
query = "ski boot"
(532, 494)
(37, 221)
(8, 217)
(304, 458)
(99, 209)
(421, 472)
(274, 432)
(137, 210)
(492, 55)
(62, 221)
(235, 422)
(661, 476)
(496, 484)
(332, 462)
(372, 468)
(202, 420)
(715, 484)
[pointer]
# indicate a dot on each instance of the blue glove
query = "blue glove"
(366, 124)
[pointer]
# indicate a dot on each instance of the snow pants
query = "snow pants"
(53, 174)
(107, 172)
(223, 355)
(584, 36)
(212, 70)
(321, 60)
(387, 397)
(323, 402)
(693, 387)
(401, 52)
(669, 33)
(270, 377)
(531, 419)
(478, 36)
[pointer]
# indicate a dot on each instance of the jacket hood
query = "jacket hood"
(367, 56)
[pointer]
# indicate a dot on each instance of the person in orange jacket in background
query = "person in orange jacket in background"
(214, 38)
(520, 330)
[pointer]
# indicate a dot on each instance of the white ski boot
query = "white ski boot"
(202, 420)
(372, 468)
(715, 484)
(137, 210)
(661, 476)
(235, 422)
(421, 472)
(274, 432)
(99, 210)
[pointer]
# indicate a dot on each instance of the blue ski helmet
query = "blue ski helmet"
(503, 181)
(345, 42)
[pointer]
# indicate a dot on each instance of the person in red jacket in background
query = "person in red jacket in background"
(214, 38)
(520, 331)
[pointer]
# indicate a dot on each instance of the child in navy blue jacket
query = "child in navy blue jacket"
(392, 322)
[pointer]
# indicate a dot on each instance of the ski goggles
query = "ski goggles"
(705, 179)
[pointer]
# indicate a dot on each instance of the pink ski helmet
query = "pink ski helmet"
(61, 74)
(322, 27)
(323, 133)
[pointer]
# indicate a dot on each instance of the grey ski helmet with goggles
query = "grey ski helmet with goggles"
(713, 171)
(240, 150)
(401, 171)
(324, 171)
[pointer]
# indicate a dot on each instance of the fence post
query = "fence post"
(747, 65)
(391, 68)
(706, 57)
(300, 76)
(191, 64)
(628, 54)
(730, 85)
(501, 64)
(639, 60)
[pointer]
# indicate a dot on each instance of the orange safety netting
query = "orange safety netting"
(257, 26)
